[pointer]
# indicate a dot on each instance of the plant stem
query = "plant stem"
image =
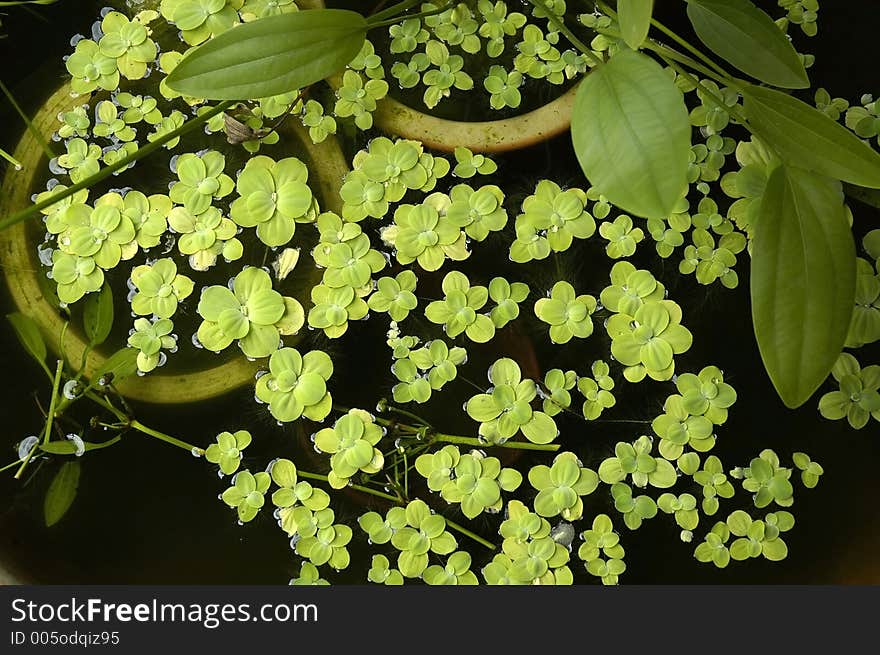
(399, 501)
(140, 427)
(463, 530)
(11, 465)
(356, 487)
(12, 160)
(561, 26)
(662, 50)
(140, 153)
(393, 10)
(373, 22)
(621, 420)
(53, 401)
(733, 111)
(405, 476)
(691, 49)
(27, 121)
(470, 441)
(725, 78)
(50, 419)
(408, 414)
(378, 7)
(867, 196)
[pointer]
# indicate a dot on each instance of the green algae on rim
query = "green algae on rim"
(542, 124)
(18, 255)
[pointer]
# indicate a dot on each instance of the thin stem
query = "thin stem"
(473, 384)
(561, 26)
(398, 500)
(715, 98)
(378, 7)
(405, 477)
(687, 46)
(393, 10)
(662, 50)
(408, 414)
(82, 361)
(302, 94)
(10, 465)
(27, 121)
(567, 410)
(56, 386)
(388, 423)
(867, 196)
(620, 420)
(463, 530)
(110, 426)
(22, 3)
(372, 23)
(47, 370)
(140, 427)
(470, 441)
(12, 160)
(419, 449)
(356, 487)
(140, 153)
(50, 419)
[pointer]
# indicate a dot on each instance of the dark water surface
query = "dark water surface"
(148, 513)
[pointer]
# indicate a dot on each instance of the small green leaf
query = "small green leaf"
(69, 447)
(803, 280)
(29, 334)
(635, 20)
(807, 138)
(61, 493)
(748, 38)
(121, 364)
(98, 315)
(271, 56)
(632, 135)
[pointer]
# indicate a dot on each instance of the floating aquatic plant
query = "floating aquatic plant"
(425, 222)
(506, 409)
(250, 312)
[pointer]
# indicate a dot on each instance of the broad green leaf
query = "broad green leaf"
(29, 334)
(98, 315)
(632, 135)
(748, 38)
(635, 20)
(61, 493)
(807, 138)
(271, 55)
(802, 281)
(121, 364)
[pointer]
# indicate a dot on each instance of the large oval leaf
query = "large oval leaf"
(632, 135)
(749, 39)
(61, 493)
(635, 20)
(28, 333)
(98, 315)
(271, 55)
(803, 280)
(807, 138)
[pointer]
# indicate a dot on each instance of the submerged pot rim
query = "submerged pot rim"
(19, 253)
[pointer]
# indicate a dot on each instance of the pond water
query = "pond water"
(147, 513)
